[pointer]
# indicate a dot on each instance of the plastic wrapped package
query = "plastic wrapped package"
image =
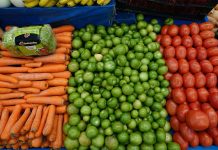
(30, 41)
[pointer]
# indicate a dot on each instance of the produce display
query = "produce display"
(33, 96)
(191, 54)
(117, 91)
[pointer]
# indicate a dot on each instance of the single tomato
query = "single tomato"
(173, 30)
(165, 40)
(178, 95)
(168, 75)
(172, 65)
(164, 29)
(207, 34)
(213, 51)
(169, 52)
(188, 80)
(174, 123)
(211, 42)
(191, 95)
(183, 66)
(211, 80)
(176, 41)
(197, 40)
(187, 41)
(180, 52)
(171, 107)
(213, 98)
(200, 80)
(201, 53)
(182, 110)
(176, 81)
(195, 141)
(191, 53)
(203, 95)
(206, 26)
(184, 30)
(194, 28)
(194, 66)
(206, 66)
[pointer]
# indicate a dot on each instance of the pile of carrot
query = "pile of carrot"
(33, 96)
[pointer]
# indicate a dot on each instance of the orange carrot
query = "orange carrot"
(54, 91)
(5, 90)
(64, 34)
(8, 146)
(5, 61)
(65, 97)
(24, 84)
(52, 100)
(29, 90)
(49, 121)
(69, 46)
(49, 69)
(4, 119)
(42, 85)
(65, 28)
(58, 82)
(16, 146)
(8, 79)
(27, 126)
(19, 124)
(30, 95)
(52, 135)
(22, 139)
(58, 141)
(7, 85)
(62, 50)
(13, 69)
(12, 95)
(42, 123)
(63, 39)
(11, 102)
(6, 54)
(37, 119)
(1, 108)
(32, 76)
(24, 106)
(33, 65)
(31, 135)
(24, 146)
(12, 141)
(37, 142)
(65, 74)
(45, 144)
(66, 117)
(11, 121)
(54, 58)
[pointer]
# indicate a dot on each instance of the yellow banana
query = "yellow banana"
(43, 3)
(77, 1)
(51, 3)
(103, 2)
(31, 4)
(27, 1)
(84, 2)
(71, 3)
(63, 2)
(59, 5)
(90, 3)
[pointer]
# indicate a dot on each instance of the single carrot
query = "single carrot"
(31, 135)
(24, 84)
(19, 124)
(24, 146)
(52, 136)
(4, 119)
(64, 45)
(13, 69)
(42, 85)
(65, 97)
(65, 28)
(12, 141)
(49, 121)
(7, 85)
(30, 95)
(58, 141)
(42, 123)
(33, 65)
(63, 39)
(37, 142)
(6, 54)
(12, 95)
(11, 121)
(58, 82)
(6, 78)
(62, 50)
(49, 69)
(29, 90)
(65, 74)
(37, 119)
(54, 58)
(54, 91)
(5, 90)
(64, 34)
(6, 61)
(27, 126)
(11, 102)
(32, 76)
(52, 100)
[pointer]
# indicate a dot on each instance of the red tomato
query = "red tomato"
(180, 52)
(211, 42)
(213, 90)
(213, 132)
(197, 41)
(211, 113)
(176, 81)
(214, 60)
(211, 80)
(183, 66)
(195, 141)
(191, 95)
(178, 139)
(171, 107)
(172, 65)
(200, 80)
(213, 51)
(206, 66)
(194, 66)
(182, 110)
(186, 132)
(165, 40)
(215, 70)
(187, 41)
(164, 29)
(169, 52)
(161, 49)
(191, 53)
(174, 123)
(195, 106)
(203, 95)
(188, 80)
(173, 30)
(205, 139)
(207, 34)
(197, 120)
(194, 28)
(158, 38)
(206, 26)
(215, 140)
(201, 53)
(213, 98)
(168, 76)
(184, 30)
(178, 95)
(176, 41)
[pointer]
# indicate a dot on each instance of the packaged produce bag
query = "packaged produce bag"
(30, 41)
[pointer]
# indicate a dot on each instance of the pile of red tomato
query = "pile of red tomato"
(191, 54)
